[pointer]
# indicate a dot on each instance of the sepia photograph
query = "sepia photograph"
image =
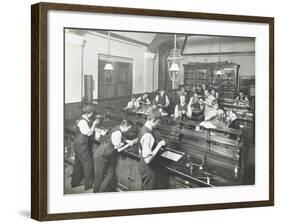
(157, 111)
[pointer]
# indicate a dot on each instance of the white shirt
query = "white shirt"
(131, 104)
(84, 127)
(116, 139)
(210, 107)
(177, 110)
(147, 141)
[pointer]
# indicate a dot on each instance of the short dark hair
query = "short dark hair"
(145, 93)
(125, 123)
(87, 109)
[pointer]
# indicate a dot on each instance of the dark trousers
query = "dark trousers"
(83, 167)
(153, 176)
(105, 169)
(147, 175)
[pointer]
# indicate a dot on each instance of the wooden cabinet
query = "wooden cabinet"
(135, 176)
(176, 182)
(123, 173)
(129, 178)
(223, 77)
(127, 174)
(247, 85)
(248, 130)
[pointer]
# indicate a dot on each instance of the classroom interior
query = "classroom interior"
(113, 70)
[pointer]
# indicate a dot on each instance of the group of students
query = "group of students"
(206, 101)
(161, 102)
(203, 100)
(98, 166)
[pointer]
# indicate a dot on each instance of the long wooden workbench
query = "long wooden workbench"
(221, 155)
(208, 157)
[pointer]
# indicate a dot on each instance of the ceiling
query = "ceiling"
(194, 44)
(142, 37)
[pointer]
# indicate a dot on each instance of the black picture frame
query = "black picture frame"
(39, 107)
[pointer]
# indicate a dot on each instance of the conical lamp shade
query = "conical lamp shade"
(174, 68)
(219, 72)
(108, 67)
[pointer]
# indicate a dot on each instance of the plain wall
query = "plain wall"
(99, 45)
(73, 70)
(240, 51)
(95, 44)
(212, 44)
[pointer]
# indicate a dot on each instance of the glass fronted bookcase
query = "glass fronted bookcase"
(221, 76)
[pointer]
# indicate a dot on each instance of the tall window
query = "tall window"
(120, 84)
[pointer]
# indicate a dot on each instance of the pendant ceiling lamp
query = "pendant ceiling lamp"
(108, 68)
(175, 62)
(220, 70)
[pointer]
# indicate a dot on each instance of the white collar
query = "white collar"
(148, 125)
(85, 117)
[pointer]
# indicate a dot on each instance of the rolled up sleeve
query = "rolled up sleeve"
(84, 128)
(116, 139)
(147, 142)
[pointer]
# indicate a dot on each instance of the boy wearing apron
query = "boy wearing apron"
(105, 158)
(211, 106)
(148, 149)
(83, 164)
(181, 108)
(241, 99)
(162, 100)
